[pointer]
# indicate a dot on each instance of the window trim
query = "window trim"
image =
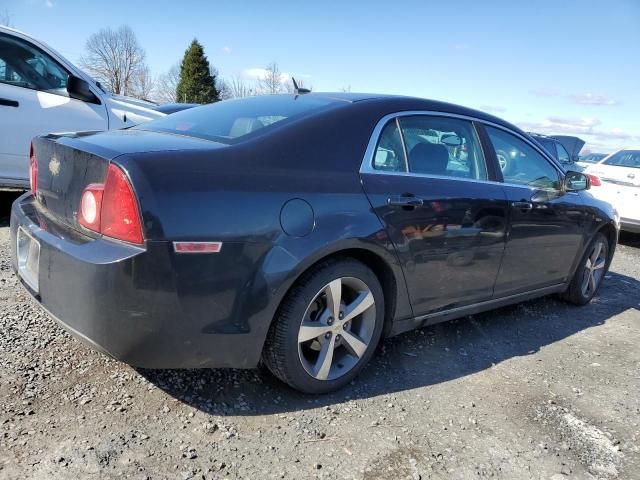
(369, 155)
(404, 145)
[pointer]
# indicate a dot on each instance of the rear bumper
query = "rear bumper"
(145, 306)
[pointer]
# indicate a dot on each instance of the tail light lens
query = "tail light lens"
(33, 169)
(595, 181)
(91, 206)
(111, 208)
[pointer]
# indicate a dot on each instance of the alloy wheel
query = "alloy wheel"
(594, 268)
(337, 328)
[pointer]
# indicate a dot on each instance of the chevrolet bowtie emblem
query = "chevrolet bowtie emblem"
(54, 166)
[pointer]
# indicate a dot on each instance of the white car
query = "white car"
(42, 92)
(619, 175)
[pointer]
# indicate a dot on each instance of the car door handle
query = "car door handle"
(9, 103)
(523, 206)
(406, 200)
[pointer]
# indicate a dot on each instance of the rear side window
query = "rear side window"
(442, 146)
(232, 120)
(22, 65)
(521, 163)
(389, 154)
(563, 155)
(625, 158)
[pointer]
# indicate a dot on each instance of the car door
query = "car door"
(34, 101)
(546, 225)
(428, 182)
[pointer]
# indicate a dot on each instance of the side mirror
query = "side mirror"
(80, 90)
(576, 181)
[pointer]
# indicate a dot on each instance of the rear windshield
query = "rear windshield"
(230, 121)
(625, 158)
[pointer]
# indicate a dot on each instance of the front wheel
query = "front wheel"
(590, 272)
(327, 327)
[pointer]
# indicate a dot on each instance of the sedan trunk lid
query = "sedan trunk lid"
(67, 163)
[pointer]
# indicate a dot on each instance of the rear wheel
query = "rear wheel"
(590, 272)
(327, 328)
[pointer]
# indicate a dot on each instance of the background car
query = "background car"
(300, 230)
(40, 92)
(585, 160)
(619, 175)
(557, 147)
(169, 108)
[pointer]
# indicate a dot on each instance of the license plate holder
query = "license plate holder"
(28, 254)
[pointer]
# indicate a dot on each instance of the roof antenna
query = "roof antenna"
(297, 90)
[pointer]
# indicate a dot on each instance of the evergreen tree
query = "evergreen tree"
(197, 84)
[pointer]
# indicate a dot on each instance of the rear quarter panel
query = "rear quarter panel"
(236, 195)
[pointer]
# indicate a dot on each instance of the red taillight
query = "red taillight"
(595, 181)
(111, 208)
(33, 169)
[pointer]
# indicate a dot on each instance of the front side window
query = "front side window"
(625, 158)
(443, 146)
(22, 65)
(521, 163)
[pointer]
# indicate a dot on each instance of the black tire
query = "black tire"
(286, 357)
(576, 292)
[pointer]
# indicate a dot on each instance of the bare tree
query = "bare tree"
(143, 84)
(239, 89)
(271, 82)
(166, 85)
(346, 89)
(224, 89)
(114, 58)
(5, 18)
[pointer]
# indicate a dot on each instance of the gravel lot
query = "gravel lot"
(540, 390)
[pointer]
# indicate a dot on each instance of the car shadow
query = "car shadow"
(6, 199)
(428, 356)
(629, 239)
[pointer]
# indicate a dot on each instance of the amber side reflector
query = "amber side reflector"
(197, 247)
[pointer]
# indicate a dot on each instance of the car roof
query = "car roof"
(407, 103)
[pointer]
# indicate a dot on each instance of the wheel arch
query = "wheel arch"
(383, 263)
(611, 233)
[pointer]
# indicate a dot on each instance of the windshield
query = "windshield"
(592, 157)
(624, 158)
(230, 120)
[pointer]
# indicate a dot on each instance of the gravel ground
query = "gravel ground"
(540, 390)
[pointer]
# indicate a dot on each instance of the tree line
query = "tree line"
(117, 60)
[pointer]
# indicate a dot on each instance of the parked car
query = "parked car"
(563, 148)
(585, 160)
(40, 92)
(572, 145)
(298, 229)
(619, 175)
(168, 108)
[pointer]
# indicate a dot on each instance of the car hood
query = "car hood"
(136, 111)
